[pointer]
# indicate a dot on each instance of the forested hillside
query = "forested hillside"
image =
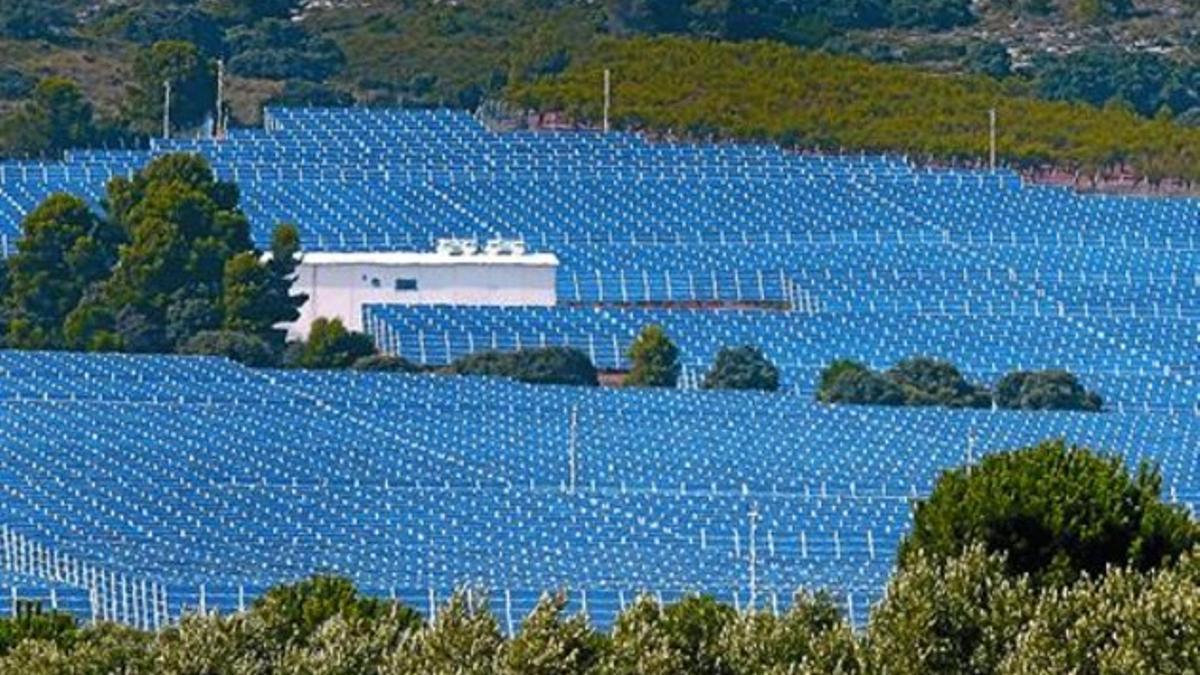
(1134, 58)
(765, 91)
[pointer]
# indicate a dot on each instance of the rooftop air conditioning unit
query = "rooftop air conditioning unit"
(513, 247)
(457, 247)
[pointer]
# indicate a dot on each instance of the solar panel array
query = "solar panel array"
(136, 487)
(139, 487)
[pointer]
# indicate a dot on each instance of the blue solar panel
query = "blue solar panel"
(137, 487)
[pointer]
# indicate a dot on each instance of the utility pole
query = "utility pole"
(573, 449)
(166, 108)
(607, 96)
(220, 121)
(992, 139)
(750, 605)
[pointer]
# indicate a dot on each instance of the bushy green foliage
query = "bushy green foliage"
(15, 85)
(548, 365)
(934, 14)
(171, 259)
(850, 382)
(34, 19)
(810, 638)
(299, 93)
(244, 12)
(463, 639)
(64, 249)
(1124, 623)
(966, 614)
(742, 368)
(551, 644)
(922, 381)
(249, 350)
(927, 381)
(1147, 82)
(759, 91)
(193, 86)
(1045, 390)
(292, 614)
(654, 359)
(916, 381)
(31, 622)
(57, 116)
(148, 23)
(282, 50)
(330, 345)
(955, 615)
(385, 363)
(1056, 512)
(457, 54)
(684, 637)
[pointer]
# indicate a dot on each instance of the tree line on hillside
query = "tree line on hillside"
(922, 381)
(466, 54)
(768, 92)
(1049, 559)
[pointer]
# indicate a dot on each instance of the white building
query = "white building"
(339, 284)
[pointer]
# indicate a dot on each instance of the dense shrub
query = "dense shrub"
(385, 363)
(1055, 512)
(15, 85)
(742, 368)
(1045, 390)
(330, 345)
(249, 350)
(550, 365)
(850, 382)
(761, 90)
(299, 93)
(912, 382)
(926, 381)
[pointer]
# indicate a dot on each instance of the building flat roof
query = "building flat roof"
(414, 258)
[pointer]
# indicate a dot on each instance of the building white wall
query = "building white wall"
(339, 284)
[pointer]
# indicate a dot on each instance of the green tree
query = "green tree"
(193, 87)
(549, 644)
(684, 637)
(184, 229)
(282, 50)
(292, 613)
(64, 249)
(34, 19)
(385, 363)
(655, 359)
(742, 368)
(249, 350)
(549, 365)
(1045, 390)
(810, 638)
(1054, 511)
(244, 12)
(932, 14)
(928, 381)
(56, 117)
(989, 58)
(953, 616)
(1127, 622)
(30, 622)
(148, 23)
(330, 345)
(463, 639)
